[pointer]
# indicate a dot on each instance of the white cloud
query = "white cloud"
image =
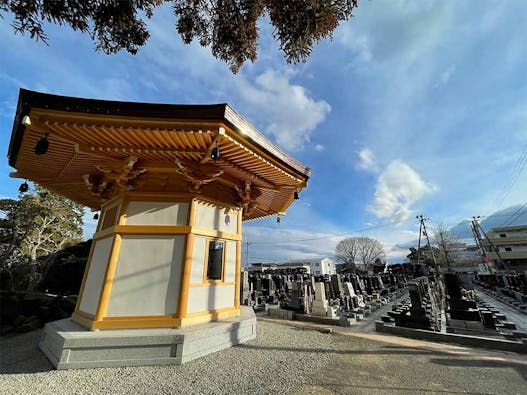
(288, 111)
(406, 31)
(357, 43)
(319, 148)
(367, 160)
(277, 243)
(398, 187)
(268, 243)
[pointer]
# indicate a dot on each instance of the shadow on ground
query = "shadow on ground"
(386, 350)
(479, 363)
(21, 354)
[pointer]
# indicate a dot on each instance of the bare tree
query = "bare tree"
(448, 246)
(370, 250)
(346, 252)
(349, 250)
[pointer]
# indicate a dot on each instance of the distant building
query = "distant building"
(323, 267)
(511, 242)
(265, 267)
(467, 255)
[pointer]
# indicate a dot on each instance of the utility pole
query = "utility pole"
(419, 242)
(422, 230)
(491, 245)
(247, 253)
(474, 227)
(438, 278)
(477, 236)
(423, 220)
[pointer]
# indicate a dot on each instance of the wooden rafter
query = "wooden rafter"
(89, 148)
(249, 174)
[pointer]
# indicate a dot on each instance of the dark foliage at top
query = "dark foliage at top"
(228, 27)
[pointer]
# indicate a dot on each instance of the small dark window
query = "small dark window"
(215, 264)
(503, 235)
(109, 217)
(508, 249)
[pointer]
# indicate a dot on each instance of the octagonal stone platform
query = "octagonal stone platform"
(69, 345)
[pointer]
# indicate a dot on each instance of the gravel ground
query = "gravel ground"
(279, 359)
(282, 359)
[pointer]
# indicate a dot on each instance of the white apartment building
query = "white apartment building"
(323, 267)
(511, 242)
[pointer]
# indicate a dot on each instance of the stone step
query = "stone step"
(509, 325)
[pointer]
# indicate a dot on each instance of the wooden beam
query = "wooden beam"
(251, 175)
(98, 148)
(101, 120)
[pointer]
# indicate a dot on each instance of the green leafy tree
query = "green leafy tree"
(228, 27)
(40, 223)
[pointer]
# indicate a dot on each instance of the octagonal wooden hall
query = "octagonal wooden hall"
(173, 183)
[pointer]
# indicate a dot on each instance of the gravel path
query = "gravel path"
(279, 359)
(282, 359)
(367, 325)
(512, 315)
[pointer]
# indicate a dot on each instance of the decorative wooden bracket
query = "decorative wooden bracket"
(123, 173)
(248, 196)
(244, 194)
(197, 175)
(97, 186)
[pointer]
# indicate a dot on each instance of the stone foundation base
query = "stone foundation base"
(71, 346)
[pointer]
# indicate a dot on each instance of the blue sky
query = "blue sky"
(413, 107)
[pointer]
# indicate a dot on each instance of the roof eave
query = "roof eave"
(221, 112)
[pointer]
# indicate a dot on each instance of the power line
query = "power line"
(501, 215)
(320, 237)
(515, 217)
(516, 171)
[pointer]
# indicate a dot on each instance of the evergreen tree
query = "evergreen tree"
(228, 27)
(38, 224)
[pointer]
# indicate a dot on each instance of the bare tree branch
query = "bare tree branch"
(353, 248)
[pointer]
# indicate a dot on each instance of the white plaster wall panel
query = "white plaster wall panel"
(213, 297)
(157, 213)
(95, 278)
(198, 260)
(211, 217)
(230, 262)
(228, 221)
(147, 277)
